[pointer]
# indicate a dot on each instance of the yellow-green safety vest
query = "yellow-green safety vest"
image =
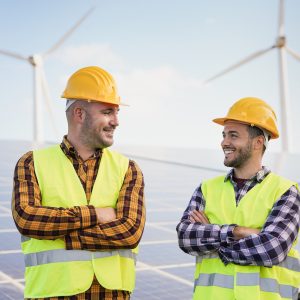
(50, 269)
(214, 280)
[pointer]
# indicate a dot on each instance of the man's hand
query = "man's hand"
(199, 216)
(105, 214)
(240, 232)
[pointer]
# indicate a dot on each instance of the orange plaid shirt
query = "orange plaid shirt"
(78, 225)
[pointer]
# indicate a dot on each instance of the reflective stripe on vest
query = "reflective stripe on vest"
(61, 255)
(214, 279)
(245, 279)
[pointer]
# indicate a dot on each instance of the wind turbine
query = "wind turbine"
(280, 44)
(40, 84)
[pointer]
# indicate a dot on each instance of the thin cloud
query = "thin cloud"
(91, 54)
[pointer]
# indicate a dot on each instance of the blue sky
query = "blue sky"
(160, 52)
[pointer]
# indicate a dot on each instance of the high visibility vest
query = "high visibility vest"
(50, 270)
(214, 280)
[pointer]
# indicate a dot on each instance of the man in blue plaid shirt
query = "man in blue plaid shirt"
(242, 226)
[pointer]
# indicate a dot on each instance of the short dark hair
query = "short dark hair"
(256, 131)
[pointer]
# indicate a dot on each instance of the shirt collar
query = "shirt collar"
(70, 150)
(259, 176)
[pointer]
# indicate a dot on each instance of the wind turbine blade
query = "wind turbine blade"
(68, 33)
(293, 53)
(14, 55)
(281, 18)
(240, 63)
(45, 90)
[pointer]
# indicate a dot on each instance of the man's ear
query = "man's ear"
(79, 114)
(259, 142)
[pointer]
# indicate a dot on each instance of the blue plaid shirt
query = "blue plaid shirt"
(267, 248)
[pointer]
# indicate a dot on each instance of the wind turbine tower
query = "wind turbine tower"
(40, 85)
(281, 45)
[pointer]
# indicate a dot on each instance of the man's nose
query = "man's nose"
(225, 141)
(115, 120)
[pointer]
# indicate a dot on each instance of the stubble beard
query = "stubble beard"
(91, 137)
(244, 155)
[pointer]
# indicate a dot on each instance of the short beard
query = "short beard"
(88, 136)
(244, 155)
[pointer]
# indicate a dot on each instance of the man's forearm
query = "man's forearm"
(118, 234)
(197, 239)
(116, 229)
(51, 222)
(240, 232)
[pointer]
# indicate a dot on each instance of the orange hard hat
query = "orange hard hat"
(92, 84)
(255, 112)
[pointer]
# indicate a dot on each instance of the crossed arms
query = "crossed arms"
(241, 245)
(82, 227)
(239, 232)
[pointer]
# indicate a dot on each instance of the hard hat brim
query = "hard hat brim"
(64, 96)
(221, 121)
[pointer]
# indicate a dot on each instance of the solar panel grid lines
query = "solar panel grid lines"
(160, 271)
(12, 281)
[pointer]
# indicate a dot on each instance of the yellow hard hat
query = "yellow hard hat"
(92, 84)
(255, 112)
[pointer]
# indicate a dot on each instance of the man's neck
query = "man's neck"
(248, 170)
(83, 151)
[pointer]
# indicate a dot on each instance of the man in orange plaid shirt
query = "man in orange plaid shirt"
(80, 206)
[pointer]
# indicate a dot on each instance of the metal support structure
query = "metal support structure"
(37, 109)
(286, 135)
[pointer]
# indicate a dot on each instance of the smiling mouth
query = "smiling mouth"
(109, 131)
(228, 152)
